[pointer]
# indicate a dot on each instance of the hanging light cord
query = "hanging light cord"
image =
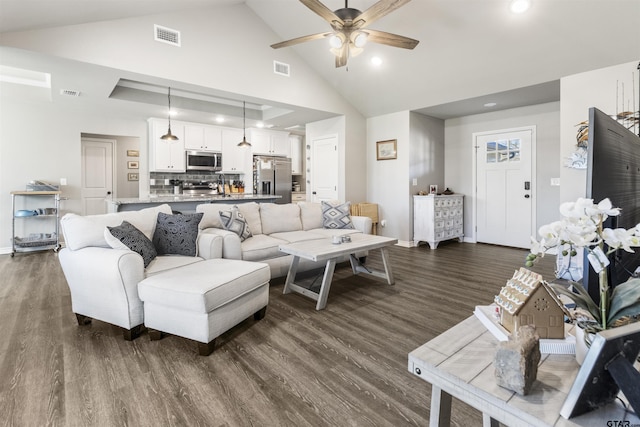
(169, 113)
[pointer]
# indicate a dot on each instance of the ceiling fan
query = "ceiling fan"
(349, 29)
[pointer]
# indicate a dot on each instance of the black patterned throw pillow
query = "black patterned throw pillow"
(336, 217)
(234, 221)
(177, 234)
(134, 239)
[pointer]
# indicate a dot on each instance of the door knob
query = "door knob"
(526, 196)
(108, 193)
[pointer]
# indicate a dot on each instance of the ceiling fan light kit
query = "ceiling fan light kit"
(348, 36)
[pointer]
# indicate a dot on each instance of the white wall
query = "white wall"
(459, 155)
(601, 89)
(388, 180)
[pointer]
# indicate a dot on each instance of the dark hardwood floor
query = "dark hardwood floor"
(343, 366)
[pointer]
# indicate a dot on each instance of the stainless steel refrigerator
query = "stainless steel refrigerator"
(272, 176)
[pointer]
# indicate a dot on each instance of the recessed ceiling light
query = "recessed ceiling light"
(519, 6)
(376, 60)
(260, 124)
(490, 104)
(173, 113)
(219, 119)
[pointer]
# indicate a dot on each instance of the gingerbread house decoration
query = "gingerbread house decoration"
(527, 299)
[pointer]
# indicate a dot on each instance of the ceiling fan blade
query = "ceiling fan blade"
(390, 39)
(298, 40)
(377, 11)
(322, 10)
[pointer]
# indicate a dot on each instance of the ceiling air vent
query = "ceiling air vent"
(69, 92)
(166, 35)
(281, 68)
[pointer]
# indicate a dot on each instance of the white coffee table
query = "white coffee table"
(324, 250)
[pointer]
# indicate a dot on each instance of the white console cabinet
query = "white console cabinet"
(437, 218)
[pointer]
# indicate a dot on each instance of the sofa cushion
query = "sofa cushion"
(204, 286)
(261, 247)
(297, 236)
(251, 213)
(211, 214)
(336, 216)
(126, 236)
(234, 221)
(83, 231)
(177, 234)
(277, 218)
(311, 215)
(168, 262)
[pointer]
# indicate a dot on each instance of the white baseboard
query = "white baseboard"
(5, 251)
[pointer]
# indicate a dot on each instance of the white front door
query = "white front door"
(324, 168)
(505, 206)
(97, 174)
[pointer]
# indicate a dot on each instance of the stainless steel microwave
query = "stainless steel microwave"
(204, 161)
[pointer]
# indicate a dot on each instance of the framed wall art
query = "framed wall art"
(132, 165)
(132, 177)
(386, 150)
(133, 153)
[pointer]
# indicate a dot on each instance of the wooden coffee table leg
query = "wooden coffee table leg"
(326, 284)
(440, 407)
(291, 275)
(387, 266)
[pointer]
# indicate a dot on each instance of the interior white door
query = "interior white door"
(97, 174)
(504, 187)
(324, 168)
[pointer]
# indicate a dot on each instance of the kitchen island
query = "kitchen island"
(185, 203)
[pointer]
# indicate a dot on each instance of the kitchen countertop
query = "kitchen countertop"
(189, 198)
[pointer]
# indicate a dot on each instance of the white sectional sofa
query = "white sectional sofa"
(271, 225)
(104, 281)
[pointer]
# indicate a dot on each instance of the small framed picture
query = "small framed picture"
(132, 177)
(386, 150)
(132, 165)
(133, 153)
(433, 189)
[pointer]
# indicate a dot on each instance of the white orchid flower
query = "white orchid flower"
(606, 208)
(619, 238)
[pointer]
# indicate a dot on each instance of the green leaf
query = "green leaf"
(581, 298)
(625, 300)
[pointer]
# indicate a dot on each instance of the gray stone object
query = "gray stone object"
(516, 361)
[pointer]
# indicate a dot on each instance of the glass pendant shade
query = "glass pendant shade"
(244, 142)
(169, 136)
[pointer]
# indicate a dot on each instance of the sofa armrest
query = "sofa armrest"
(104, 284)
(210, 245)
(362, 223)
(231, 244)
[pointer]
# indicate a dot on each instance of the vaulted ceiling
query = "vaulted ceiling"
(471, 52)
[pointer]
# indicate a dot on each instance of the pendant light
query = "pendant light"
(169, 136)
(244, 142)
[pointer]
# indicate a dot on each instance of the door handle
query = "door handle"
(527, 185)
(313, 192)
(526, 196)
(108, 193)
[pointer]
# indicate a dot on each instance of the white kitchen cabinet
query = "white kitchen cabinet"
(202, 137)
(235, 159)
(166, 156)
(296, 154)
(269, 142)
(437, 218)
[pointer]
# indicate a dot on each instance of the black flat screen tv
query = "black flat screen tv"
(613, 171)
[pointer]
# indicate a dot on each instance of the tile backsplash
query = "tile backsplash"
(159, 182)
